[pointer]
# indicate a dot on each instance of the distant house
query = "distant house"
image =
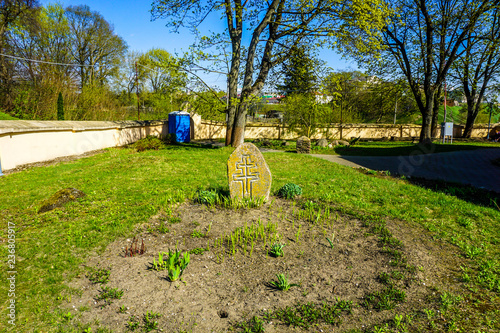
(322, 98)
(272, 98)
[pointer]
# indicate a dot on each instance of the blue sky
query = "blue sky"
(132, 21)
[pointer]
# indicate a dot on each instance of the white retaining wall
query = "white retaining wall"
(24, 141)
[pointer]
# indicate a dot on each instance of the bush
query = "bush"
(148, 143)
(289, 191)
(60, 107)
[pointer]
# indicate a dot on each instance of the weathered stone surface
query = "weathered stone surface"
(343, 142)
(248, 173)
(322, 143)
(303, 145)
(60, 198)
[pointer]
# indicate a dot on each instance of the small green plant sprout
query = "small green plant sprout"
(381, 329)
(282, 282)
(134, 249)
(109, 294)
(198, 251)
(448, 300)
(173, 262)
(430, 313)
(161, 264)
(290, 191)
(67, 316)
(209, 198)
(174, 220)
(122, 309)
(197, 234)
(331, 240)
(398, 320)
(254, 325)
(99, 275)
(133, 323)
(149, 321)
(310, 205)
(162, 229)
(277, 250)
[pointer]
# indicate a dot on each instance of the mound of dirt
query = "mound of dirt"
(228, 279)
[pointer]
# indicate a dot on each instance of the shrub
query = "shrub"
(148, 143)
(60, 107)
(290, 191)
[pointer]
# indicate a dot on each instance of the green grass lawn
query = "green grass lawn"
(125, 188)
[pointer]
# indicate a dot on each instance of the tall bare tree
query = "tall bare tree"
(94, 45)
(423, 39)
(478, 65)
(274, 27)
(11, 11)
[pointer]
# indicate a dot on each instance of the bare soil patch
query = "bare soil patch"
(218, 290)
(54, 161)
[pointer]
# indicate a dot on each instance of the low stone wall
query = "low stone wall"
(24, 141)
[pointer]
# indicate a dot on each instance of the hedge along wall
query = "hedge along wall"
(24, 141)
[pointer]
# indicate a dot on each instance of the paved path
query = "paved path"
(471, 167)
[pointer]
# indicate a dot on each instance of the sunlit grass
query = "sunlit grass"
(124, 188)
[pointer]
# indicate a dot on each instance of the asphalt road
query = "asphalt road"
(471, 167)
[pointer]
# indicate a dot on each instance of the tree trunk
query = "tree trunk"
(231, 111)
(238, 135)
(427, 113)
(435, 113)
(468, 127)
(472, 112)
(434, 121)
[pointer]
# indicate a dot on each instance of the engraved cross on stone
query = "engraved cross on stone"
(246, 174)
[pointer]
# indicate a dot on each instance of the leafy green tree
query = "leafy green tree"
(164, 76)
(163, 71)
(298, 72)
(274, 26)
(422, 40)
(343, 88)
(304, 115)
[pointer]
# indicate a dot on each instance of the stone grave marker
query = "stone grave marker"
(303, 145)
(248, 173)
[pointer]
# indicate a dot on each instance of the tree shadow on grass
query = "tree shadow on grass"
(477, 196)
(191, 145)
(405, 150)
